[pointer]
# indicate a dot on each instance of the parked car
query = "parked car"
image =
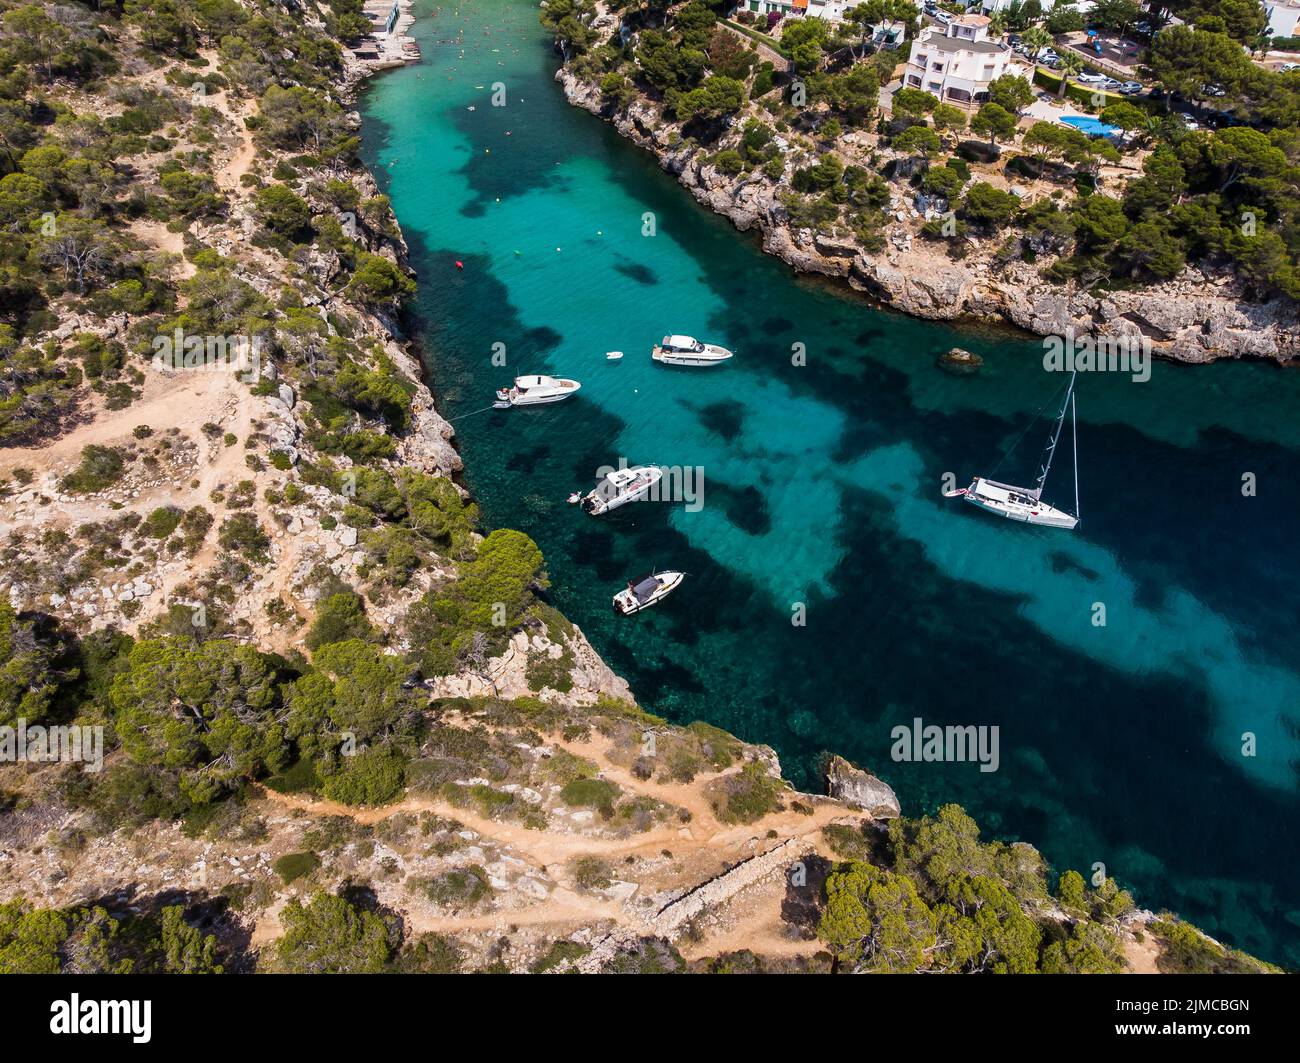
(1111, 85)
(1013, 39)
(1215, 90)
(1286, 68)
(942, 17)
(1090, 78)
(1221, 119)
(1130, 88)
(1048, 55)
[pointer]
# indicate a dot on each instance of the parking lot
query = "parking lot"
(1113, 55)
(1098, 73)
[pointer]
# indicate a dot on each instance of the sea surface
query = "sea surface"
(832, 592)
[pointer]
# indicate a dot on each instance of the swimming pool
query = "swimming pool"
(1094, 127)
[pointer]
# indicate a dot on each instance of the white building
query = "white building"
(383, 15)
(888, 34)
(1283, 18)
(830, 10)
(957, 62)
(992, 7)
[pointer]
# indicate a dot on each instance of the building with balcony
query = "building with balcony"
(957, 62)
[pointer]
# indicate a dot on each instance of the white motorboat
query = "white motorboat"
(687, 350)
(647, 591)
(1026, 503)
(620, 487)
(613, 356)
(536, 390)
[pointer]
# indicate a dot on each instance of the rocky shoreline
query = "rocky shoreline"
(1199, 317)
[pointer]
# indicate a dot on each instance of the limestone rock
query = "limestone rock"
(960, 362)
(860, 788)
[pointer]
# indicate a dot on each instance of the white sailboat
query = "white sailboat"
(535, 390)
(1026, 503)
(647, 591)
(687, 350)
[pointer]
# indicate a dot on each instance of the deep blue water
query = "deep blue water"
(1119, 744)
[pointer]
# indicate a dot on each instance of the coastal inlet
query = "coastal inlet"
(1120, 743)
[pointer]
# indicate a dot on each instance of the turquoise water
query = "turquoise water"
(1119, 744)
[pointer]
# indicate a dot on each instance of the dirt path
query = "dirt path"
(1141, 956)
(241, 161)
(701, 850)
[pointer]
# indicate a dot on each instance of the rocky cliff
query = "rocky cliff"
(1198, 317)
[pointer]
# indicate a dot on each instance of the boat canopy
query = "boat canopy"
(526, 382)
(645, 590)
(682, 343)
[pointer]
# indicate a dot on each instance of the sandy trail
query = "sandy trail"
(1141, 956)
(705, 845)
(241, 161)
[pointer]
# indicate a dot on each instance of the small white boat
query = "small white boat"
(1026, 503)
(536, 390)
(687, 350)
(647, 591)
(620, 487)
(613, 356)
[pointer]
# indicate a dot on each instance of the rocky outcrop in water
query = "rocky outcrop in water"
(1198, 317)
(861, 789)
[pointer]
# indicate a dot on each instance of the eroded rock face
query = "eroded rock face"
(861, 789)
(1197, 317)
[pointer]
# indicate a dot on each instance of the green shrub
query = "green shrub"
(560, 953)
(1187, 951)
(599, 794)
(100, 467)
(293, 866)
(591, 873)
(458, 889)
(161, 522)
(339, 617)
(241, 532)
(300, 777)
(431, 954)
(544, 671)
(748, 795)
(370, 777)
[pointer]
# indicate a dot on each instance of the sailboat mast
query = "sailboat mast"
(1056, 435)
(1074, 435)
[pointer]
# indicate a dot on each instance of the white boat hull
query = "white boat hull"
(542, 400)
(686, 358)
(1047, 516)
(600, 506)
(627, 603)
(538, 391)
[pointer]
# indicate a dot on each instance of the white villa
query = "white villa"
(1283, 17)
(957, 62)
(830, 10)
